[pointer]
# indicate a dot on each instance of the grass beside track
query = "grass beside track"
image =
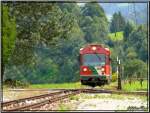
(116, 37)
(58, 86)
(134, 86)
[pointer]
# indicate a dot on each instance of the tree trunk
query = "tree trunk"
(2, 73)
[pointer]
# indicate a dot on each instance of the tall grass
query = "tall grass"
(58, 86)
(119, 36)
(135, 86)
(62, 107)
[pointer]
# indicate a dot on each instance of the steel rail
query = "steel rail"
(24, 100)
(28, 98)
(54, 99)
(50, 101)
(116, 92)
(59, 96)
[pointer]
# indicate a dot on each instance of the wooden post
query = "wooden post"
(141, 81)
(119, 76)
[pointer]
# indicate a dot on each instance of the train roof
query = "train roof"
(99, 48)
(94, 44)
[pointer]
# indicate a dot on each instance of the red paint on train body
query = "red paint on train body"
(95, 63)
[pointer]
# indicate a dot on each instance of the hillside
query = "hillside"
(119, 36)
(127, 10)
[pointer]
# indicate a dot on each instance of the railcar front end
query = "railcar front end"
(95, 66)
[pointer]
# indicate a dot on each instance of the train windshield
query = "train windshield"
(94, 59)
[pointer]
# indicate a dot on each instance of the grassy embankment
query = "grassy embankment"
(119, 36)
(135, 86)
(58, 86)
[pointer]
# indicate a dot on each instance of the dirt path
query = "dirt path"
(9, 95)
(107, 102)
(88, 101)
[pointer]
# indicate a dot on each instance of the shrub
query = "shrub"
(15, 83)
(114, 77)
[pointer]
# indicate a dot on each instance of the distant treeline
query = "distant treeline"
(41, 41)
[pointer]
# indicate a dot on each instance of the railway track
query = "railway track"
(38, 102)
(116, 92)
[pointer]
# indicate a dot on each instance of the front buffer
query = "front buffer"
(90, 75)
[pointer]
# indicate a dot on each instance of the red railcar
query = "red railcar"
(95, 65)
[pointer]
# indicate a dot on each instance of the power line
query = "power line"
(132, 12)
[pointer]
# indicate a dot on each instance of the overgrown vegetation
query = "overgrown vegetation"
(135, 86)
(14, 84)
(63, 107)
(43, 47)
(116, 36)
(58, 85)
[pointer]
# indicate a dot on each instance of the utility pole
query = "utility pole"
(119, 73)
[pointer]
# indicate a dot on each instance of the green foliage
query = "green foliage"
(118, 23)
(63, 107)
(58, 85)
(94, 23)
(131, 53)
(49, 22)
(138, 40)
(135, 66)
(127, 30)
(45, 27)
(8, 34)
(74, 97)
(135, 86)
(93, 9)
(114, 77)
(44, 71)
(15, 83)
(48, 41)
(116, 36)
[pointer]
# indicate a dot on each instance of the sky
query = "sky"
(125, 8)
(118, 4)
(109, 16)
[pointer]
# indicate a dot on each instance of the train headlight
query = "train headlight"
(84, 69)
(93, 48)
(102, 69)
(81, 48)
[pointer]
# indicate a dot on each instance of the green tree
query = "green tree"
(138, 40)
(127, 30)
(41, 56)
(45, 27)
(8, 35)
(118, 23)
(135, 66)
(94, 23)
(131, 53)
(93, 9)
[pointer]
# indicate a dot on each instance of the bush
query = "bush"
(114, 77)
(15, 83)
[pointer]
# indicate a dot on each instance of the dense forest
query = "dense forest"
(41, 41)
